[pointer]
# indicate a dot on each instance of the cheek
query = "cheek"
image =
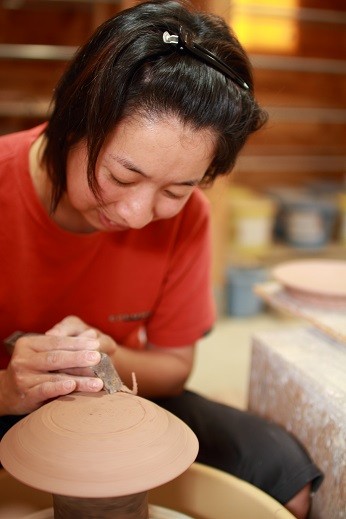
(167, 208)
(78, 189)
(79, 193)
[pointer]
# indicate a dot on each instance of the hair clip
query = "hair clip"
(185, 42)
(170, 38)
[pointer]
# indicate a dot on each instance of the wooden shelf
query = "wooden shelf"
(282, 252)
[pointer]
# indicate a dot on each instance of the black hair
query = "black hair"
(126, 68)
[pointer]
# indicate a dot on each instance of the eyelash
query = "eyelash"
(125, 184)
(173, 196)
(120, 183)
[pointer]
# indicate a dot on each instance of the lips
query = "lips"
(109, 224)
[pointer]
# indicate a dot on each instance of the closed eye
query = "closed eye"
(120, 182)
(174, 195)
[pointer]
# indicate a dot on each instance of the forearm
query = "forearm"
(159, 372)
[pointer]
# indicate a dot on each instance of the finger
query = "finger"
(78, 372)
(82, 383)
(60, 387)
(90, 332)
(107, 344)
(45, 343)
(39, 394)
(56, 360)
(69, 326)
(88, 384)
(35, 379)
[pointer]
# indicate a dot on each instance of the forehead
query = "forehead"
(166, 140)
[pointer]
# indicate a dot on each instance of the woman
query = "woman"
(106, 233)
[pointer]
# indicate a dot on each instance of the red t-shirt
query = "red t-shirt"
(155, 279)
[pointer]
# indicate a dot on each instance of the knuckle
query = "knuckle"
(16, 362)
(71, 319)
(43, 392)
(96, 333)
(53, 358)
(22, 342)
(19, 380)
(57, 377)
(17, 368)
(58, 342)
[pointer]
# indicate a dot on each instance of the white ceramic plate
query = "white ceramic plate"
(318, 279)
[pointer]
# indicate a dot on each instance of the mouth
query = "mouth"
(110, 224)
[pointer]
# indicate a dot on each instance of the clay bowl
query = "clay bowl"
(98, 445)
(317, 282)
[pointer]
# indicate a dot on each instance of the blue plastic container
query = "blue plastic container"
(240, 300)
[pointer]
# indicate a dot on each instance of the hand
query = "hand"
(72, 326)
(38, 370)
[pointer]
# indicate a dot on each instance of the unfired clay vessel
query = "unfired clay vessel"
(320, 282)
(98, 445)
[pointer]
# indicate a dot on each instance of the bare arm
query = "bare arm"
(159, 371)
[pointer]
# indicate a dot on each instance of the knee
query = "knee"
(299, 505)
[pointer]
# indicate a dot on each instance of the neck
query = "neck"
(38, 173)
(65, 215)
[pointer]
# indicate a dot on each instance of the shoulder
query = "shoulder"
(12, 142)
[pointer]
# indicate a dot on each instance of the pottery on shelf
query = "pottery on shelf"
(320, 282)
(98, 445)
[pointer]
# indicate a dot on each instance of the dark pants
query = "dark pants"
(245, 445)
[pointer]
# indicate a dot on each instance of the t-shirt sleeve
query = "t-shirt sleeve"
(185, 311)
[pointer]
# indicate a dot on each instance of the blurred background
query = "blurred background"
(287, 195)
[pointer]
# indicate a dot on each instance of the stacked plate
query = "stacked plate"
(317, 282)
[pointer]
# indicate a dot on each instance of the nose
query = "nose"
(136, 209)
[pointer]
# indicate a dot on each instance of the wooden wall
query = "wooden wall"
(304, 90)
(37, 38)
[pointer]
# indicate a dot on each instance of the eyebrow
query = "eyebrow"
(132, 167)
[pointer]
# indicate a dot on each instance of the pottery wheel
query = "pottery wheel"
(98, 445)
(155, 512)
